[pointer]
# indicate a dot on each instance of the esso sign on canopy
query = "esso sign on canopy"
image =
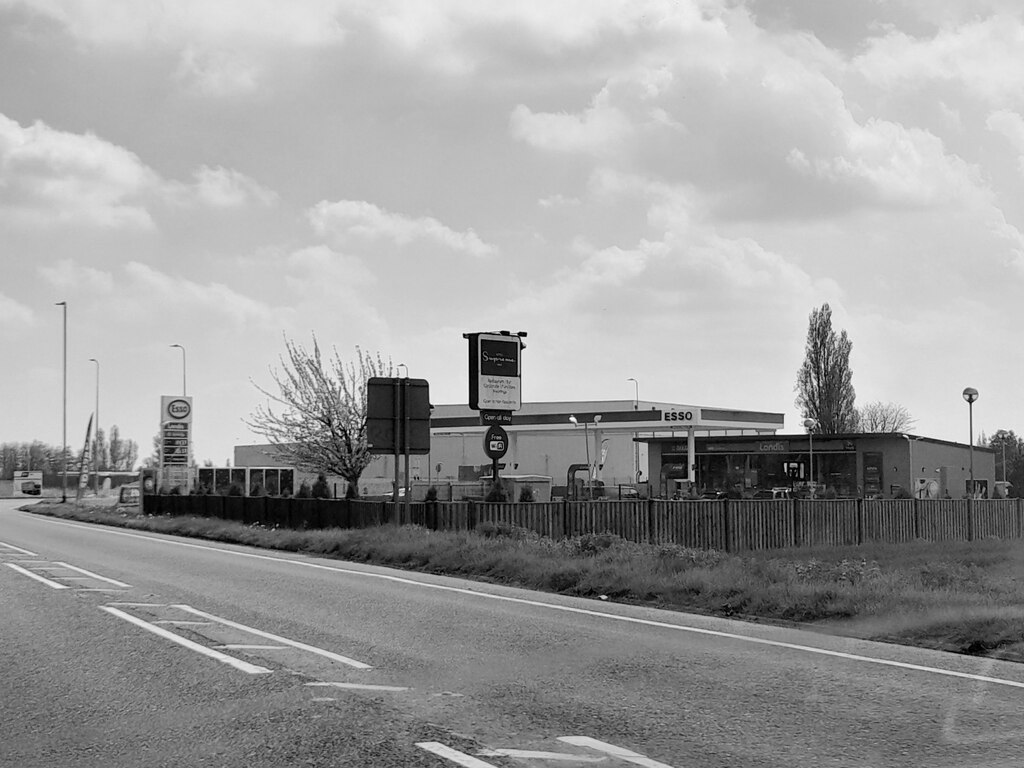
(178, 409)
(677, 416)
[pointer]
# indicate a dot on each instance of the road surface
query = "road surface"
(124, 648)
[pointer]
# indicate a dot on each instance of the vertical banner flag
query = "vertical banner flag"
(85, 463)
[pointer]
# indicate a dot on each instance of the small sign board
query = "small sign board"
(495, 371)
(495, 417)
(495, 442)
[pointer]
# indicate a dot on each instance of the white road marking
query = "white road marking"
(18, 549)
(244, 666)
(37, 577)
(554, 607)
(627, 755)
(97, 589)
(358, 686)
(183, 623)
(140, 605)
(115, 582)
(276, 638)
(236, 647)
(527, 754)
(460, 758)
(323, 698)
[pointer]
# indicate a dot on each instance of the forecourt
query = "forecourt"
(282, 659)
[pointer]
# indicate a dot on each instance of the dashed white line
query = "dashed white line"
(184, 623)
(37, 577)
(276, 638)
(529, 754)
(18, 549)
(115, 582)
(460, 758)
(244, 666)
(627, 755)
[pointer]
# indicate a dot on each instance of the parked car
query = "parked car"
(773, 493)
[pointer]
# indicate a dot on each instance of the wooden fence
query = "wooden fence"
(730, 525)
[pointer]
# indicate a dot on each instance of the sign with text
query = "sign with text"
(175, 430)
(495, 442)
(494, 371)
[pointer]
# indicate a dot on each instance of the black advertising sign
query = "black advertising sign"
(495, 371)
(398, 415)
(495, 442)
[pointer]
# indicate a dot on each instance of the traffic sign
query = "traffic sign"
(495, 442)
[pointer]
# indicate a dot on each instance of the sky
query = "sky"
(650, 189)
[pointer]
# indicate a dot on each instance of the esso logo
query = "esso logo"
(179, 409)
(677, 416)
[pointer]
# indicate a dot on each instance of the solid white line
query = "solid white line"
(237, 647)
(244, 666)
(115, 582)
(97, 589)
(461, 758)
(528, 754)
(184, 623)
(358, 686)
(552, 606)
(37, 577)
(139, 605)
(276, 638)
(627, 755)
(18, 549)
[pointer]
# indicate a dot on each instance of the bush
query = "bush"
(321, 490)
(431, 494)
(496, 494)
(304, 491)
(235, 490)
(526, 494)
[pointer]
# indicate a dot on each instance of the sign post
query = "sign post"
(398, 421)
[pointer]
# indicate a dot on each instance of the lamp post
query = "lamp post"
(403, 365)
(184, 391)
(586, 442)
(64, 431)
(636, 444)
(970, 395)
(910, 443)
(810, 424)
(96, 438)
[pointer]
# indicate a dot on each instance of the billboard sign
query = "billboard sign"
(495, 371)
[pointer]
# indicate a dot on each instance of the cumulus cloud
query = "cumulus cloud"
(68, 274)
(54, 176)
(1011, 125)
(356, 219)
(224, 188)
(13, 314)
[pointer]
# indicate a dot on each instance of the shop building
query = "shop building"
(847, 465)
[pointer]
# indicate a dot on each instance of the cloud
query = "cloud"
(49, 176)
(1011, 125)
(224, 188)
(14, 314)
(348, 219)
(67, 274)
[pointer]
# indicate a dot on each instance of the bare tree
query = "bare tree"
(877, 416)
(320, 422)
(824, 383)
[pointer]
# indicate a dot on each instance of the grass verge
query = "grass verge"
(952, 596)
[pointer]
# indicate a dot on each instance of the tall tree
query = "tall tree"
(320, 420)
(877, 416)
(1009, 457)
(824, 383)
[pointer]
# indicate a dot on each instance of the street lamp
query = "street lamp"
(810, 424)
(970, 395)
(910, 443)
(64, 452)
(586, 441)
(636, 444)
(184, 391)
(96, 439)
(403, 365)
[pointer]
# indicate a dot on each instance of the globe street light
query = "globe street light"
(184, 391)
(970, 395)
(96, 439)
(64, 451)
(403, 365)
(810, 424)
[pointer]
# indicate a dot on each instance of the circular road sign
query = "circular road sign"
(495, 442)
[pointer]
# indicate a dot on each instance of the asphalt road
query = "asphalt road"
(120, 648)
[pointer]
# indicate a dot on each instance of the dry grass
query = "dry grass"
(964, 597)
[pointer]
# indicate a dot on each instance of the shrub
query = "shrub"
(320, 488)
(235, 490)
(304, 491)
(526, 494)
(496, 494)
(257, 490)
(431, 494)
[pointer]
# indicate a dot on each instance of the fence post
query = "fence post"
(726, 527)
(917, 518)
(651, 538)
(797, 539)
(860, 522)
(970, 518)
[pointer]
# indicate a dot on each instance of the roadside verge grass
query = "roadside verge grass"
(953, 596)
